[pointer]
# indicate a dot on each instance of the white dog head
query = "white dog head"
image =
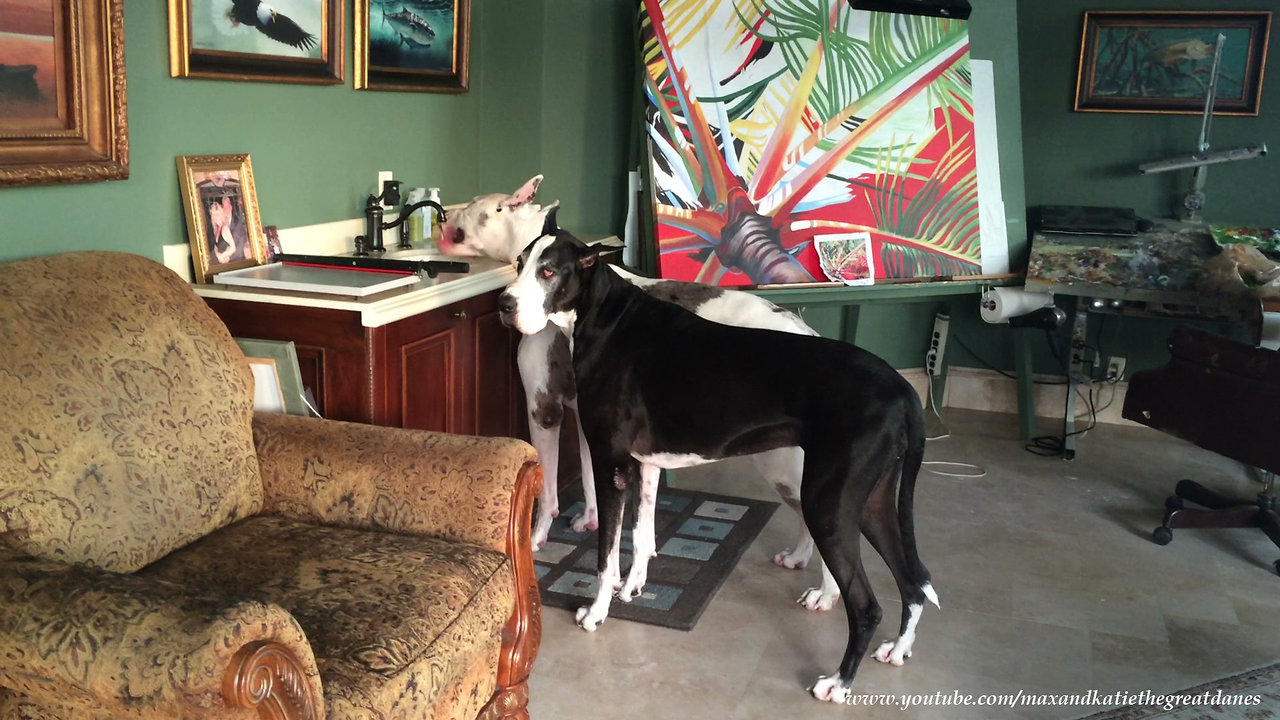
(497, 226)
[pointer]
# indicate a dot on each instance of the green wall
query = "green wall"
(316, 150)
(1092, 158)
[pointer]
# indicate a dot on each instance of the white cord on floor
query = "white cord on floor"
(979, 472)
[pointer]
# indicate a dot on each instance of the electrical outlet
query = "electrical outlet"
(383, 177)
(1115, 367)
(937, 345)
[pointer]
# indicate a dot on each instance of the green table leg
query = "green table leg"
(1026, 382)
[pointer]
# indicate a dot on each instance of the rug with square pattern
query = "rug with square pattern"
(700, 537)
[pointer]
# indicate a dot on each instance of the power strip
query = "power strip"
(937, 345)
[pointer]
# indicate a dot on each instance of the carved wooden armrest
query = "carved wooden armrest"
(268, 677)
(78, 637)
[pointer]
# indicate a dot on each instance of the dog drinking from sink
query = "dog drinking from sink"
(657, 387)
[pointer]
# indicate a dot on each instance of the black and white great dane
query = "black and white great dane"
(500, 226)
(660, 387)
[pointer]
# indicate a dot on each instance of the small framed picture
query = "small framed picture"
(1160, 61)
(222, 214)
(293, 41)
(846, 257)
(276, 374)
(422, 47)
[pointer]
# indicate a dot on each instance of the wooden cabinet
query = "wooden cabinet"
(451, 369)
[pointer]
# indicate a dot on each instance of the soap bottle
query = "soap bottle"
(433, 227)
(417, 217)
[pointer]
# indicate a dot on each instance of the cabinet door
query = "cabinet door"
(498, 391)
(425, 379)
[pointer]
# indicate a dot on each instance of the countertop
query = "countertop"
(387, 307)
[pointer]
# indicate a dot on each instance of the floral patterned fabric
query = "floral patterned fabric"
(456, 487)
(378, 609)
(72, 636)
(141, 546)
(125, 406)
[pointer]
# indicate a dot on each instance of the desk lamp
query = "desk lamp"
(1194, 199)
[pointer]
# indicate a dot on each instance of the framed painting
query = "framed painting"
(296, 41)
(62, 92)
(1161, 61)
(416, 45)
(222, 214)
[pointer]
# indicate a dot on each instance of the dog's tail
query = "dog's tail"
(912, 459)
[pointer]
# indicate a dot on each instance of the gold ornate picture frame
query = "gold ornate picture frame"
(221, 207)
(413, 47)
(300, 41)
(63, 115)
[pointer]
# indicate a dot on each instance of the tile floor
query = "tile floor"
(1048, 581)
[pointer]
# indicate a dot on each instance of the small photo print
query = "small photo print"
(846, 257)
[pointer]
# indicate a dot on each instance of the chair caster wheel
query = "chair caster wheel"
(1162, 535)
(1173, 502)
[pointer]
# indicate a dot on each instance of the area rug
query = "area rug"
(700, 537)
(1252, 695)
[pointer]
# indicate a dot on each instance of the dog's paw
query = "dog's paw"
(894, 652)
(585, 521)
(587, 620)
(541, 530)
(814, 599)
(791, 560)
(828, 688)
(634, 587)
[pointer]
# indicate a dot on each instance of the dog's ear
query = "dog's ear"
(549, 226)
(524, 194)
(593, 251)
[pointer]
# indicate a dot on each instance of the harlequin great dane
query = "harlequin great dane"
(660, 387)
(499, 226)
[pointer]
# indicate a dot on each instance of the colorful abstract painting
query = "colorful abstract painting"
(773, 124)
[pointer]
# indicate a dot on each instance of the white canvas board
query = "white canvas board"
(991, 219)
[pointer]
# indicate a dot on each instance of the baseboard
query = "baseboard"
(988, 390)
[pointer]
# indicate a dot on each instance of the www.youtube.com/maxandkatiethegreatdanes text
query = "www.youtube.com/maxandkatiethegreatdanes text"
(1092, 698)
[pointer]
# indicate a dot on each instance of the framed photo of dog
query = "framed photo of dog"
(62, 92)
(415, 47)
(295, 41)
(1160, 61)
(221, 208)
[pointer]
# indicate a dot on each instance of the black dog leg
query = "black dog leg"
(611, 481)
(842, 554)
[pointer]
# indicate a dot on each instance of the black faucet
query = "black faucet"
(373, 225)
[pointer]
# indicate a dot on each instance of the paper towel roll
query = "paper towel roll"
(1000, 304)
(1271, 331)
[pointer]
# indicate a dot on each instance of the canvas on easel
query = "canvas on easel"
(772, 126)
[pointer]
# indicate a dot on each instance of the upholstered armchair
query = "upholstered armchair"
(167, 553)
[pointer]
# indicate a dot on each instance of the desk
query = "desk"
(850, 299)
(1152, 274)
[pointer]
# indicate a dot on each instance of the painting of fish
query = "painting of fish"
(412, 34)
(412, 45)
